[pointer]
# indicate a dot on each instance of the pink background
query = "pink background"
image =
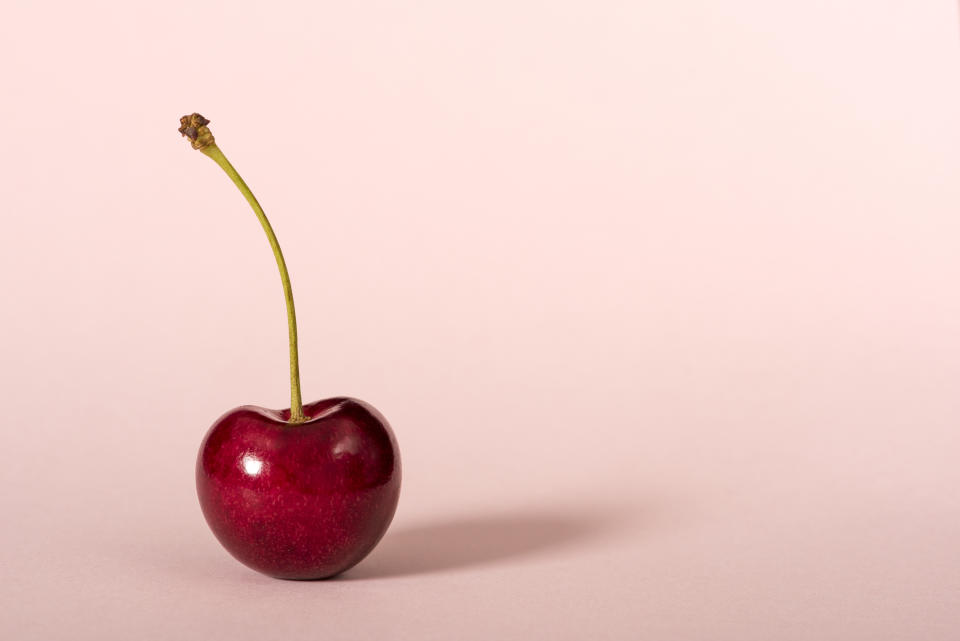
(661, 299)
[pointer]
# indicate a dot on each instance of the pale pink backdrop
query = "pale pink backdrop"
(661, 299)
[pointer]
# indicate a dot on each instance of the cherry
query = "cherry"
(301, 501)
(300, 493)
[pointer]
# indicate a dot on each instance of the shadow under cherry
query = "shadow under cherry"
(477, 541)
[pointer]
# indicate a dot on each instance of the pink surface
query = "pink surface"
(660, 298)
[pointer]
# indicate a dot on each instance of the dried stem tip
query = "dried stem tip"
(194, 127)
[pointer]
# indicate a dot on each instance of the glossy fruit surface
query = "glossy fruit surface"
(300, 501)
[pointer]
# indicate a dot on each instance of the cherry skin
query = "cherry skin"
(300, 500)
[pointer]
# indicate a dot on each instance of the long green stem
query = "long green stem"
(296, 401)
(194, 127)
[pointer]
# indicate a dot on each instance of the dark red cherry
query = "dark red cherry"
(300, 501)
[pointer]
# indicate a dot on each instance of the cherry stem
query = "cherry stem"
(195, 128)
